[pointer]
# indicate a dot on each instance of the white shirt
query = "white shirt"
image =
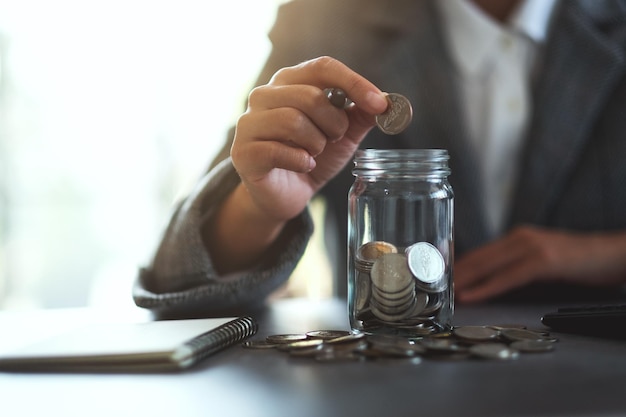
(494, 62)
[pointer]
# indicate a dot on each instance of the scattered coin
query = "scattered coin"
(508, 326)
(309, 352)
(476, 333)
(285, 338)
(349, 338)
(259, 344)
(301, 344)
(442, 345)
(398, 115)
(493, 351)
(520, 334)
(462, 343)
(326, 334)
(533, 346)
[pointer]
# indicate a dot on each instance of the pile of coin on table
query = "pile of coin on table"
(464, 342)
(401, 289)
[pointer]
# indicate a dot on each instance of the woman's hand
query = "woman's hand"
(292, 140)
(529, 254)
(288, 144)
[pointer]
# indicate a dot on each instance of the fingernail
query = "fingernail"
(377, 101)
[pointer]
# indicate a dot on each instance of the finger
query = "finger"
(254, 161)
(327, 72)
(486, 261)
(285, 124)
(506, 280)
(311, 101)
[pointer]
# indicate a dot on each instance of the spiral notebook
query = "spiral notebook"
(153, 346)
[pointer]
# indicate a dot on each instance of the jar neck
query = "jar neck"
(401, 163)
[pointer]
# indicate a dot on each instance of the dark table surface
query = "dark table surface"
(583, 376)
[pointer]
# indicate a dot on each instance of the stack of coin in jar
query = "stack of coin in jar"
(400, 289)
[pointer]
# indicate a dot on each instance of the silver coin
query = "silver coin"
(421, 301)
(418, 321)
(390, 318)
(404, 293)
(435, 302)
(347, 339)
(508, 326)
(300, 344)
(363, 266)
(406, 308)
(425, 262)
(420, 330)
(443, 335)
(398, 115)
(393, 307)
(259, 344)
(533, 346)
(513, 335)
(397, 351)
(326, 334)
(436, 288)
(390, 273)
(493, 351)
(381, 298)
(363, 290)
(475, 333)
(396, 346)
(285, 338)
(354, 346)
(442, 345)
(308, 352)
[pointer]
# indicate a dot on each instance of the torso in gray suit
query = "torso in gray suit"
(573, 174)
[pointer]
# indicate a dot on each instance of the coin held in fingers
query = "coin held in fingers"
(398, 115)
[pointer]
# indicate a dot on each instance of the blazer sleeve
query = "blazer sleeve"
(181, 278)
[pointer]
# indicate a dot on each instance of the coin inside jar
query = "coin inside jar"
(398, 115)
(371, 251)
(390, 273)
(425, 262)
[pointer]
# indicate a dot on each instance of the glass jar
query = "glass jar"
(401, 243)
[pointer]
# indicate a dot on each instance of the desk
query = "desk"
(582, 376)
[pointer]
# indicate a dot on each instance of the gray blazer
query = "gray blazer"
(573, 174)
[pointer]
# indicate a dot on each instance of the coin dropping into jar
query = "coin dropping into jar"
(394, 120)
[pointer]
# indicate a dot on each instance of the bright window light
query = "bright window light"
(110, 111)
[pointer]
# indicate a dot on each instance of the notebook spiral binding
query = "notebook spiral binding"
(224, 336)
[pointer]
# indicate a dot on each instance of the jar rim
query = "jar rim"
(407, 163)
(402, 153)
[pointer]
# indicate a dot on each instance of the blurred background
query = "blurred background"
(109, 113)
